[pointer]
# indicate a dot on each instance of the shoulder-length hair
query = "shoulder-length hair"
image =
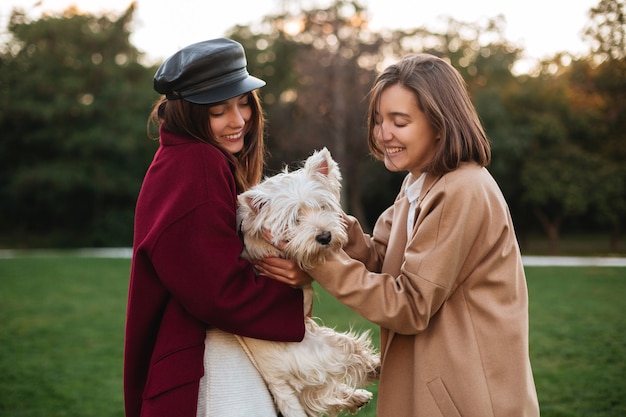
(187, 119)
(441, 93)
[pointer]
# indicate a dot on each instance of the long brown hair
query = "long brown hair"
(187, 119)
(441, 93)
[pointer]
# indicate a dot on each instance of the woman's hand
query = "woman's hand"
(284, 270)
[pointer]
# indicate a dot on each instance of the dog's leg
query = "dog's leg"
(326, 368)
(352, 358)
(267, 358)
(285, 397)
(319, 375)
(345, 399)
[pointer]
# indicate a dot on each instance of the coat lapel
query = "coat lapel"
(395, 253)
(394, 257)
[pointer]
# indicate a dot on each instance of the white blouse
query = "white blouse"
(412, 191)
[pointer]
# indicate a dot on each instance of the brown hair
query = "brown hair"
(187, 119)
(441, 93)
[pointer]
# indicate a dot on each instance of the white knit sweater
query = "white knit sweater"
(231, 385)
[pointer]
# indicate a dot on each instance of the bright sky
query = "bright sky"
(540, 27)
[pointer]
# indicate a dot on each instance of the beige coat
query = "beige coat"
(452, 302)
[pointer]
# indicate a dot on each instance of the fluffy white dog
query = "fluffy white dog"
(300, 209)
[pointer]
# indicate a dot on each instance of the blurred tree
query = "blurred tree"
(597, 95)
(564, 173)
(558, 177)
(606, 32)
(73, 108)
(74, 100)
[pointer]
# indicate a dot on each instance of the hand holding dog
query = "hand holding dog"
(283, 270)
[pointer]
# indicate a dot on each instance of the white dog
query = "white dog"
(302, 213)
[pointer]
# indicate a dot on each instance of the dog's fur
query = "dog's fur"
(300, 209)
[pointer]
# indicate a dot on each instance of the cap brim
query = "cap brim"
(226, 92)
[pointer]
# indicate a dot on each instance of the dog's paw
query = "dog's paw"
(374, 370)
(358, 399)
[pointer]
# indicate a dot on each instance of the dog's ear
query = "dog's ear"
(254, 201)
(321, 162)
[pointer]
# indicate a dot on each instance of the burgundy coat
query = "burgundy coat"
(187, 276)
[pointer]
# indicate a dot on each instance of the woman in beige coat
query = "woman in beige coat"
(442, 272)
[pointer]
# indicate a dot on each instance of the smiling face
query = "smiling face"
(228, 122)
(403, 131)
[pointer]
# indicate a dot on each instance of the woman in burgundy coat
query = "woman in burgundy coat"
(189, 289)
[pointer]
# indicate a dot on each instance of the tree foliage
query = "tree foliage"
(75, 98)
(73, 148)
(606, 30)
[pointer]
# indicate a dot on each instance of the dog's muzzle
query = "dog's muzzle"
(324, 238)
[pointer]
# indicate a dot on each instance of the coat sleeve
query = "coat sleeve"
(198, 261)
(403, 300)
(363, 247)
(371, 250)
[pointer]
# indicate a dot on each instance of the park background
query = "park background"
(75, 94)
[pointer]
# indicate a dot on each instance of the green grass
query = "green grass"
(61, 336)
(62, 321)
(578, 340)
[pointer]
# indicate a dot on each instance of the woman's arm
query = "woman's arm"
(198, 261)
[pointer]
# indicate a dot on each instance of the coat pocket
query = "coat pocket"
(442, 398)
(174, 370)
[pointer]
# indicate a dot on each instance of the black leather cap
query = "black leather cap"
(206, 72)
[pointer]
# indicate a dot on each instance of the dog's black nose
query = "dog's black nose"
(324, 238)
